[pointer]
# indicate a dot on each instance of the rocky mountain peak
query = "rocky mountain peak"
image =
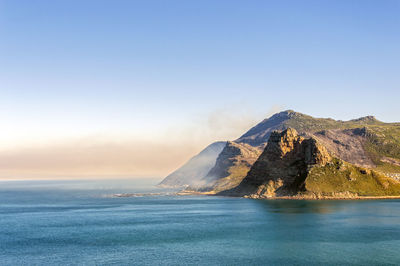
(281, 143)
(288, 143)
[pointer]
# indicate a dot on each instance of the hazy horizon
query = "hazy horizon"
(126, 88)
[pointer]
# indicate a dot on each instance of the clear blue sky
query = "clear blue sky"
(85, 67)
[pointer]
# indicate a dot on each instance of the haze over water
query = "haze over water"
(83, 224)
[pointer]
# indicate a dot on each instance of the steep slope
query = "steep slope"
(196, 168)
(230, 168)
(292, 165)
(383, 146)
(375, 146)
(346, 144)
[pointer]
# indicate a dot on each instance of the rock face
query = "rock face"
(283, 166)
(230, 168)
(195, 169)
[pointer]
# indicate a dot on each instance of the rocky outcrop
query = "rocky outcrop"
(283, 166)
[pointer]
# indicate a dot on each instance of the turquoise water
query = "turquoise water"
(79, 223)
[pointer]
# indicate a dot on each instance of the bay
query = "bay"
(81, 222)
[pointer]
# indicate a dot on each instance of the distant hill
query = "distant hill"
(196, 168)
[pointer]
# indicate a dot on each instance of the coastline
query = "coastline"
(332, 198)
(340, 196)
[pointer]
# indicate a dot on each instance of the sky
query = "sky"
(135, 88)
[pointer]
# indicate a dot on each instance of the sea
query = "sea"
(87, 222)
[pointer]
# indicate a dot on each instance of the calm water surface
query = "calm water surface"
(79, 223)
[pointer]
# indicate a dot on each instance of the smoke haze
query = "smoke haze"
(152, 155)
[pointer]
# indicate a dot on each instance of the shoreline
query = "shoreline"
(310, 197)
(331, 198)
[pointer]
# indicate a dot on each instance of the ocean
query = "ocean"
(80, 222)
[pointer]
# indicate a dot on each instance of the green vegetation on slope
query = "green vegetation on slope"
(306, 123)
(383, 141)
(387, 168)
(339, 177)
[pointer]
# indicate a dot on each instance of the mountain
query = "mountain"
(328, 131)
(196, 168)
(364, 142)
(292, 165)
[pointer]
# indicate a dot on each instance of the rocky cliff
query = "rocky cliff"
(283, 166)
